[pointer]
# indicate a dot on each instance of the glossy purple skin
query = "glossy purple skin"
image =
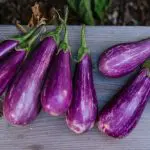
(82, 113)
(119, 117)
(57, 91)
(122, 59)
(7, 46)
(22, 102)
(9, 66)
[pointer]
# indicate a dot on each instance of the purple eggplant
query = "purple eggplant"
(120, 116)
(56, 95)
(12, 61)
(9, 45)
(8, 68)
(22, 104)
(82, 113)
(122, 59)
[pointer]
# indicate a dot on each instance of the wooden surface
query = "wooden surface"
(51, 133)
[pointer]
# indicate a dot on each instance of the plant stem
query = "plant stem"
(28, 45)
(64, 45)
(54, 34)
(22, 38)
(83, 48)
(83, 39)
(65, 24)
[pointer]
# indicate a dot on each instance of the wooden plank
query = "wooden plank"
(51, 133)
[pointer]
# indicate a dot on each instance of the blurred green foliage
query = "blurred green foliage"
(87, 9)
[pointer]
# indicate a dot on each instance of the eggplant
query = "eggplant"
(82, 113)
(12, 61)
(8, 68)
(22, 104)
(120, 116)
(56, 95)
(10, 44)
(7, 46)
(122, 59)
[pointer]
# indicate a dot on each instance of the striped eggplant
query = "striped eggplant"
(9, 66)
(56, 95)
(12, 61)
(120, 116)
(122, 59)
(22, 104)
(82, 113)
(10, 44)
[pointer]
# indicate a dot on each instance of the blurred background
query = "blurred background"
(91, 12)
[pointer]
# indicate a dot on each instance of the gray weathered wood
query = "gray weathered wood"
(51, 133)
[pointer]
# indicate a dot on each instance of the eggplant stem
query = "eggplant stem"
(83, 48)
(22, 38)
(59, 17)
(20, 27)
(54, 34)
(35, 36)
(64, 45)
(66, 35)
(30, 42)
(42, 22)
(83, 39)
(65, 26)
(58, 29)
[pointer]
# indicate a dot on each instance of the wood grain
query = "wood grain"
(51, 133)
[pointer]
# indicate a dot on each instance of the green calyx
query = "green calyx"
(29, 43)
(83, 49)
(64, 45)
(22, 38)
(55, 34)
(146, 64)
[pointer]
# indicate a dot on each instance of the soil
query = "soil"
(121, 12)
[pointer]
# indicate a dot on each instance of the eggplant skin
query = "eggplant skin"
(122, 59)
(22, 102)
(56, 95)
(82, 113)
(9, 66)
(7, 46)
(119, 117)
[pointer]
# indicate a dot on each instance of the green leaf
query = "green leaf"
(85, 11)
(100, 7)
(73, 4)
